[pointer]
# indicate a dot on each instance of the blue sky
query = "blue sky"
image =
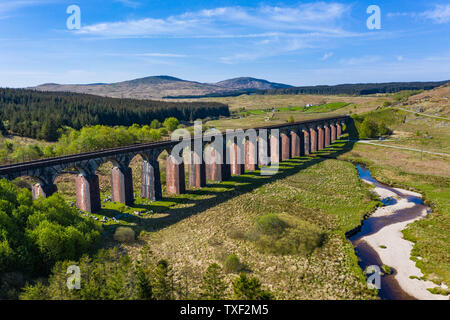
(299, 43)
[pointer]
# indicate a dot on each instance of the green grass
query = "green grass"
(328, 107)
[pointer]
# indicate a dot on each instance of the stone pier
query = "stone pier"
(251, 155)
(43, 190)
(217, 170)
(197, 170)
(321, 138)
(295, 144)
(333, 132)
(313, 139)
(151, 180)
(275, 149)
(263, 150)
(237, 159)
(122, 185)
(338, 129)
(88, 193)
(285, 146)
(175, 178)
(306, 140)
(327, 135)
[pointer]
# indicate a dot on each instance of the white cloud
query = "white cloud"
(439, 14)
(400, 58)
(226, 21)
(129, 3)
(267, 48)
(364, 60)
(327, 56)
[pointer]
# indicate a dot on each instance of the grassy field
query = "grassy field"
(250, 102)
(263, 110)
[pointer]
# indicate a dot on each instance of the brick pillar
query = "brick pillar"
(151, 180)
(327, 136)
(43, 190)
(88, 193)
(302, 143)
(295, 144)
(321, 138)
(122, 185)
(307, 142)
(313, 140)
(237, 168)
(338, 130)
(175, 179)
(285, 146)
(251, 155)
(275, 149)
(217, 171)
(333, 132)
(197, 171)
(263, 150)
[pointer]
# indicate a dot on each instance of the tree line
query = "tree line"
(112, 275)
(346, 89)
(39, 115)
(358, 89)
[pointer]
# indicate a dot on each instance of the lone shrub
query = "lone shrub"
(271, 224)
(286, 235)
(124, 234)
(232, 264)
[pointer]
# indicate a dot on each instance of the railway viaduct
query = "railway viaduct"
(273, 145)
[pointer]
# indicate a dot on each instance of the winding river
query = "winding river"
(380, 242)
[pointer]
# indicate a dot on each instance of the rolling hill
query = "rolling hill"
(157, 87)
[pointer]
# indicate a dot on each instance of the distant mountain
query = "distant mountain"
(250, 83)
(157, 87)
(144, 88)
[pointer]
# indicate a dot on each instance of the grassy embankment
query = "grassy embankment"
(429, 175)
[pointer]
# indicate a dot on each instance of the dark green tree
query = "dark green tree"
(246, 288)
(213, 287)
(162, 281)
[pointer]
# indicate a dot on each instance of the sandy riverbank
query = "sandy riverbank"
(386, 239)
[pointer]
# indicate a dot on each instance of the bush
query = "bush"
(124, 234)
(286, 235)
(271, 224)
(232, 264)
(368, 129)
(171, 123)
